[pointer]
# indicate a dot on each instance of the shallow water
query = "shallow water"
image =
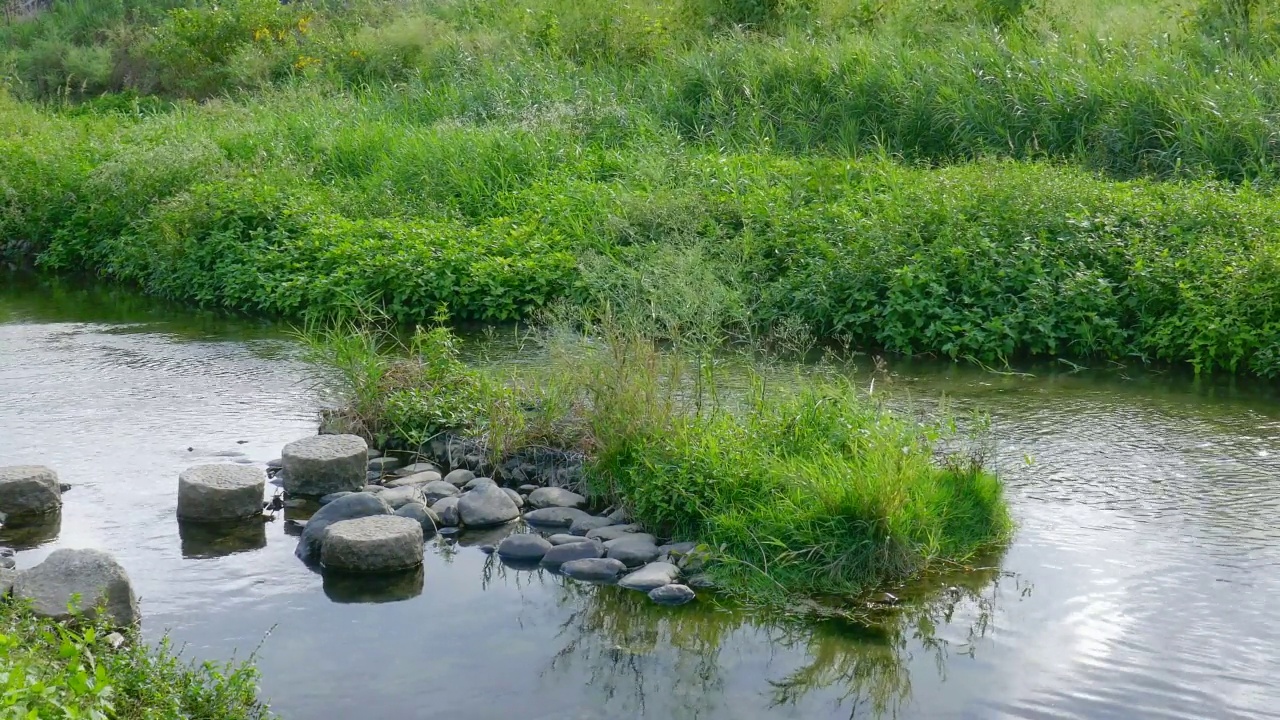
(1143, 581)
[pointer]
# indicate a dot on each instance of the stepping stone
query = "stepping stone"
(379, 543)
(29, 491)
(213, 493)
(324, 464)
(556, 497)
(348, 507)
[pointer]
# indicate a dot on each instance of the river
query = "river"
(1143, 581)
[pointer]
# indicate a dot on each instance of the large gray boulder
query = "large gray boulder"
(556, 497)
(601, 570)
(213, 493)
(486, 506)
(374, 544)
(526, 546)
(651, 576)
(347, 507)
(447, 510)
(671, 595)
(555, 516)
(28, 491)
(92, 575)
(561, 554)
(325, 464)
(632, 551)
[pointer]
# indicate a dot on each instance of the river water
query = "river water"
(1143, 582)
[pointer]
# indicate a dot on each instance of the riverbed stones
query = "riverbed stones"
(460, 477)
(417, 469)
(632, 551)
(582, 526)
(375, 544)
(324, 464)
(349, 507)
(556, 497)
(425, 516)
(612, 532)
(28, 491)
(396, 498)
(447, 510)
(516, 497)
(438, 490)
(94, 577)
(673, 594)
(486, 506)
(383, 464)
(565, 539)
(650, 577)
(477, 482)
(326, 499)
(422, 478)
(218, 493)
(561, 554)
(593, 569)
(526, 546)
(554, 516)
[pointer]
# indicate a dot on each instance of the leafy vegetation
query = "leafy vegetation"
(50, 670)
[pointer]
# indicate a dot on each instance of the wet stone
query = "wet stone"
(526, 546)
(28, 491)
(650, 577)
(633, 551)
(375, 544)
(356, 505)
(486, 506)
(397, 498)
(447, 510)
(324, 464)
(671, 595)
(593, 569)
(214, 493)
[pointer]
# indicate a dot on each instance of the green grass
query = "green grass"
(51, 670)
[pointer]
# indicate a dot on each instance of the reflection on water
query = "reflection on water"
(32, 532)
(211, 540)
(1143, 582)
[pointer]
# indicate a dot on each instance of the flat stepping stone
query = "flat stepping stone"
(554, 516)
(671, 594)
(599, 570)
(561, 554)
(556, 497)
(29, 491)
(632, 552)
(650, 577)
(486, 506)
(527, 546)
(91, 577)
(324, 464)
(215, 493)
(375, 544)
(421, 478)
(356, 505)
(582, 526)
(612, 532)
(460, 477)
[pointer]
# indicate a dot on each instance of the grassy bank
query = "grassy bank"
(49, 670)
(799, 483)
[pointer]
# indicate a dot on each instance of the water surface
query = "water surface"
(1143, 581)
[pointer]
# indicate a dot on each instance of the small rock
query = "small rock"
(671, 595)
(425, 516)
(487, 549)
(92, 575)
(474, 483)
(380, 543)
(373, 477)
(612, 532)
(526, 489)
(565, 539)
(582, 526)
(324, 464)
(372, 489)
(700, 580)
(620, 516)
(397, 498)
(650, 577)
(556, 497)
(449, 533)
(554, 516)
(349, 507)
(526, 546)
(420, 479)
(515, 497)
(447, 510)
(593, 569)
(374, 453)
(679, 549)
(561, 554)
(214, 493)
(275, 464)
(460, 477)
(29, 491)
(632, 551)
(438, 489)
(64, 487)
(418, 469)
(486, 506)
(383, 465)
(325, 500)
